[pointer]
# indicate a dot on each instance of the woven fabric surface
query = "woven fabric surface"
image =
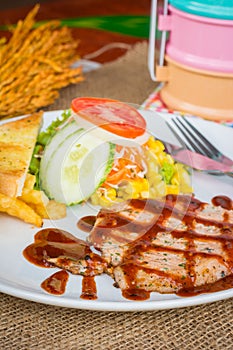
(27, 325)
(126, 79)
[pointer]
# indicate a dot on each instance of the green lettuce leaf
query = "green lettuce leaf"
(167, 171)
(42, 140)
(44, 136)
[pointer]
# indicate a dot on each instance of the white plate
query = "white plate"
(21, 279)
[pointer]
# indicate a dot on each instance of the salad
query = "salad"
(99, 150)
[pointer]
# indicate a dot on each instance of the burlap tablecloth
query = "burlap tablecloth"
(28, 325)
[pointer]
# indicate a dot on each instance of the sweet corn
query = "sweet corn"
(155, 145)
(160, 189)
(145, 194)
(175, 179)
(162, 157)
(135, 187)
(169, 159)
(111, 193)
(172, 189)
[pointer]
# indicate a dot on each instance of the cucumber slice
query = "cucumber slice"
(48, 159)
(53, 144)
(78, 167)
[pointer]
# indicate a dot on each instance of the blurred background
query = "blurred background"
(95, 23)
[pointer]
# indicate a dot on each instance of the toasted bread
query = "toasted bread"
(17, 141)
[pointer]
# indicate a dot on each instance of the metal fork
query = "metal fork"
(193, 140)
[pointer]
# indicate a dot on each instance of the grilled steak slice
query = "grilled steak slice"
(57, 248)
(114, 230)
(166, 246)
(169, 270)
(90, 264)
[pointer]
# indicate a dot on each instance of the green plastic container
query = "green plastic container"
(222, 9)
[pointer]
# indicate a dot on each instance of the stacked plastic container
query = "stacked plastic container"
(196, 56)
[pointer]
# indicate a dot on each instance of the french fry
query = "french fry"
(16, 207)
(53, 210)
(29, 181)
(41, 210)
(39, 202)
(56, 210)
(34, 197)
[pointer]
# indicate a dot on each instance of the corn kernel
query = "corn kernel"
(172, 189)
(111, 193)
(175, 179)
(155, 145)
(170, 160)
(145, 194)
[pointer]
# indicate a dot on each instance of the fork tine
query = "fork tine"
(186, 140)
(192, 139)
(176, 134)
(189, 142)
(203, 138)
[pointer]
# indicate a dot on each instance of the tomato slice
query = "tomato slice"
(111, 115)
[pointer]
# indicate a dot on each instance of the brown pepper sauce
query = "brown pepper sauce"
(86, 223)
(56, 283)
(48, 242)
(89, 291)
(55, 243)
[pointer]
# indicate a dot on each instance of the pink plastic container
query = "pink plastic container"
(198, 41)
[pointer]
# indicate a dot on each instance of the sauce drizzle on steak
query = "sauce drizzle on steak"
(177, 245)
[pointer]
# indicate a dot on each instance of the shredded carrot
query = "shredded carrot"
(115, 176)
(137, 172)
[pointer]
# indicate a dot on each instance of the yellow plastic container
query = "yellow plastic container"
(198, 92)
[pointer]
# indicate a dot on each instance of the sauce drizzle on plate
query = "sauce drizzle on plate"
(53, 245)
